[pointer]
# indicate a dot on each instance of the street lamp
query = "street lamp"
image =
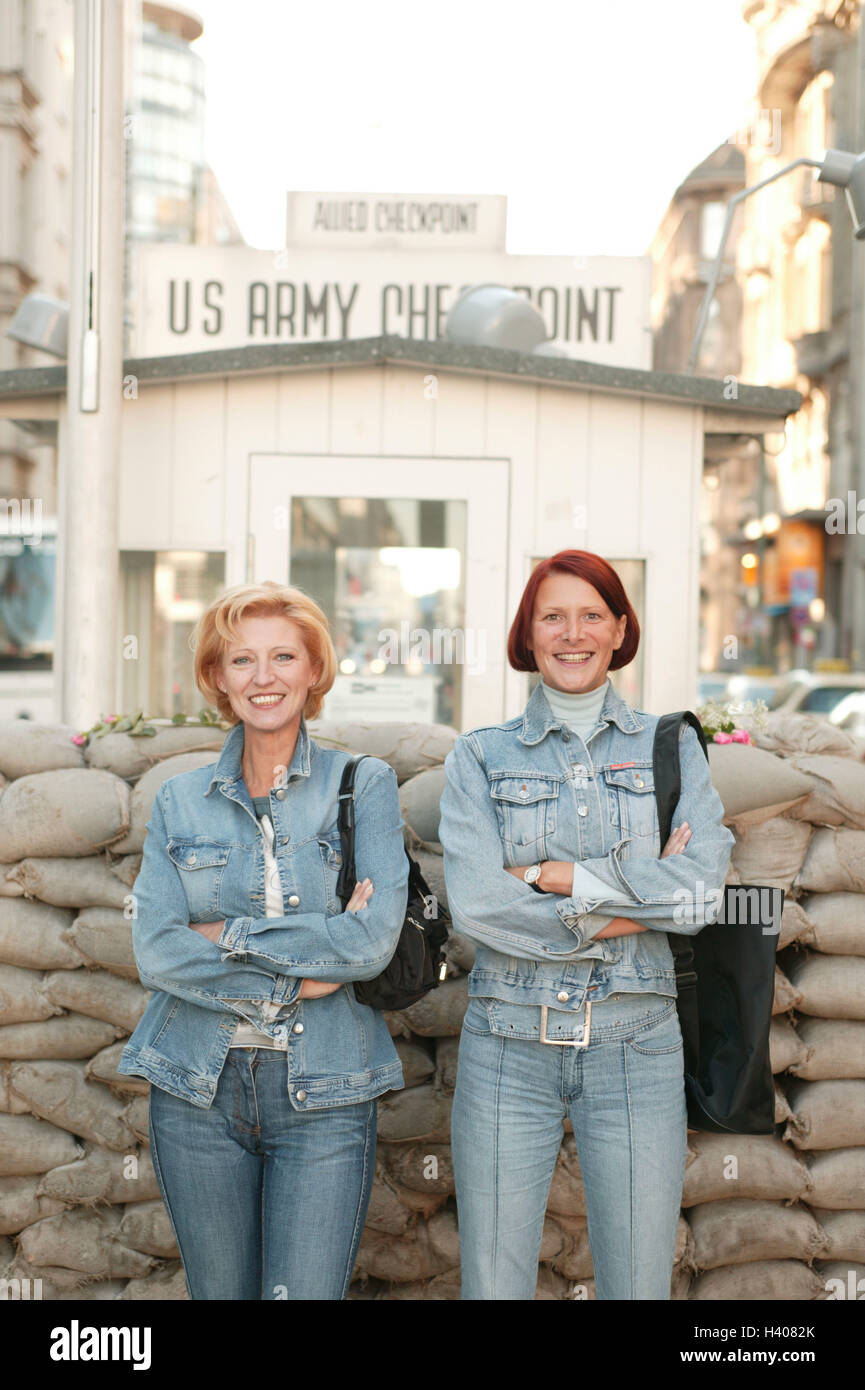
(41, 321)
(838, 167)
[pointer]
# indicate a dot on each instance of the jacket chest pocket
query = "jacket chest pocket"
(631, 799)
(527, 808)
(200, 867)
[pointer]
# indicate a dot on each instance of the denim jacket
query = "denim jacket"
(204, 861)
(532, 789)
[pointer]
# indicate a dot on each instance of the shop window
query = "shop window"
(163, 594)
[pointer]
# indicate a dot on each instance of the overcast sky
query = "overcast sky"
(586, 113)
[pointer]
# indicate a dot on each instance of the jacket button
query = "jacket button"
(280, 794)
(192, 858)
(301, 1095)
(562, 996)
(579, 769)
(298, 1028)
(294, 900)
(582, 810)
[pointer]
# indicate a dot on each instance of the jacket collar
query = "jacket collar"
(228, 769)
(538, 717)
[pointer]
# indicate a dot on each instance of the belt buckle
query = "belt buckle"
(567, 1042)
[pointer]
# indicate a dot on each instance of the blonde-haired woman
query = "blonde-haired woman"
(264, 1066)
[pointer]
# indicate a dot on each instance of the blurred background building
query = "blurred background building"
(171, 196)
(779, 588)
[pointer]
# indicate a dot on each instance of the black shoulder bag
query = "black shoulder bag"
(725, 978)
(418, 963)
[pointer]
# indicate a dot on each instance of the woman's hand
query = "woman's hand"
(677, 841)
(212, 930)
(314, 989)
(360, 897)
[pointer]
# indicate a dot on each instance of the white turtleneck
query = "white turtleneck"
(581, 710)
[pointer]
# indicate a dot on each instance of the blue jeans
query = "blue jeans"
(266, 1202)
(625, 1096)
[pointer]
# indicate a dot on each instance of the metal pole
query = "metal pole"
(88, 464)
(715, 276)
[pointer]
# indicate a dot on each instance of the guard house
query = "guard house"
(409, 486)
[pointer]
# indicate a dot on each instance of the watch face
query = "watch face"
(532, 874)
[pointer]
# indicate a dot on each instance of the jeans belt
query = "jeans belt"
(566, 1042)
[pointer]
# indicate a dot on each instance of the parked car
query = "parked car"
(849, 714)
(737, 687)
(817, 692)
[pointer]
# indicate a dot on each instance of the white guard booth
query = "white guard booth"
(409, 486)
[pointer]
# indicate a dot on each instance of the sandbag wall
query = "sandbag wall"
(774, 1217)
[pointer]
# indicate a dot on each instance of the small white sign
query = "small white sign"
(396, 222)
(410, 698)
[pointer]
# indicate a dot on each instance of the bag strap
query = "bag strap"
(345, 824)
(668, 787)
(665, 764)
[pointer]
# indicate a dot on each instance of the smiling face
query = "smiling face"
(573, 634)
(267, 672)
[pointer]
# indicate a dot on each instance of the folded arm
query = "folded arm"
(487, 902)
(178, 961)
(349, 945)
(683, 892)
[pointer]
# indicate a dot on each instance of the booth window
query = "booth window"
(163, 594)
(627, 682)
(26, 597)
(390, 575)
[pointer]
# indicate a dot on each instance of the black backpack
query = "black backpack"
(725, 977)
(418, 963)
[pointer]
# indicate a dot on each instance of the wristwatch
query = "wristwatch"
(531, 876)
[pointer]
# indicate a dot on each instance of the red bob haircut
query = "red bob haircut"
(595, 571)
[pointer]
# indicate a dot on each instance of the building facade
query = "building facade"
(783, 581)
(172, 195)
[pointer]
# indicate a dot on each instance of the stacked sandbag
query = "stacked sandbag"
(80, 1209)
(779, 1217)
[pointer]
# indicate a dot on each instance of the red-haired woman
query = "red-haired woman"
(554, 868)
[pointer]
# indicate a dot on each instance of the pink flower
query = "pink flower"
(740, 736)
(79, 739)
(110, 718)
(723, 738)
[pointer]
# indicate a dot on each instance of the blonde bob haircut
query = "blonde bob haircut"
(218, 626)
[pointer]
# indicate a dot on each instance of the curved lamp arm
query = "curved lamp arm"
(719, 259)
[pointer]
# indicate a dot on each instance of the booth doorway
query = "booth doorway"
(408, 559)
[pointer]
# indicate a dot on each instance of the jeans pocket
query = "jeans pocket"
(659, 1036)
(476, 1018)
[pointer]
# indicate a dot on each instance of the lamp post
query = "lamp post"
(89, 436)
(838, 167)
